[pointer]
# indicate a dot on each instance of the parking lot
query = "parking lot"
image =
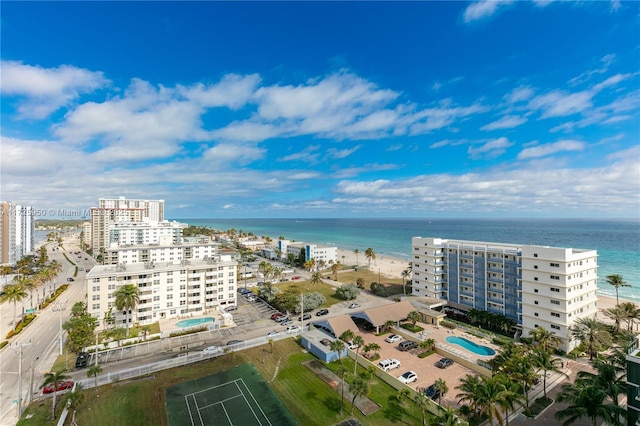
(425, 368)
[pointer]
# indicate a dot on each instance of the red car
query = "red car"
(295, 278)
(276, 316)
(66, 384)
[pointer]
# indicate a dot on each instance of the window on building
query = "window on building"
(554, 277)
(555, 290)
(555, 314)
(555, 302)
(555, 327)
(554, 265)
(95, 306)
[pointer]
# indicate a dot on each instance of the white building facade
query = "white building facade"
(161, 253)
(17, 232)
(536, 286)
(317, 252)
(145, 233)
(167, 290)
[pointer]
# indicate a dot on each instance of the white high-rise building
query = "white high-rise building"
(145, 233)
(17, 232)
(167, 290)
(120, 210)
(536, 286)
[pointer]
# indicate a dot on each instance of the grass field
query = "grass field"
(311, 401)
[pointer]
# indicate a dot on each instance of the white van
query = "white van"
(389, 364)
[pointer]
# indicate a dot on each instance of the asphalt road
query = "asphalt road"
(39, 342)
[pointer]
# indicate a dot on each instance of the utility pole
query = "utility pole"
(19, 353)
(31, 381)
(60, 307)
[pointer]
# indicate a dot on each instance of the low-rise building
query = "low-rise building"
(318, 252)
(159, 253)
(167, 289)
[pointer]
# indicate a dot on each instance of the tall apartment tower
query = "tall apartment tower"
(633, 383)
(536, 286)
(112, 210)
(17, 232)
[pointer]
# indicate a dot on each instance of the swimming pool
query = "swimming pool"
(194, 321)
(470, 346)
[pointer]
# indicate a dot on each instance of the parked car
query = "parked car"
(354, 305)
(393, 338)
(304, 317)
(389, 364)
(444, 363)
(352, 346)
(286, 322)
(231, 308)
(408, 377)
(295, 278)
(82, 360)
(282, 318)
(272, 334)
(322, 312)
(432, 392)
(292, 328)
(211, 350)
(276, 315)
(70, 279)
(65, 384)
(251, 298)
(407, 345)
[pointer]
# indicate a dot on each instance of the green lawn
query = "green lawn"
(328, 291)
(310, 400)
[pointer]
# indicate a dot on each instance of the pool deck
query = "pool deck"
(168, 325)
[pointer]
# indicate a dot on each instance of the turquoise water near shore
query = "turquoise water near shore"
(617, 241)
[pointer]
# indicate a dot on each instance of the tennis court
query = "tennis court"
(234, 397)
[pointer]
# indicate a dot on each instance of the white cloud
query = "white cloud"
(342, 153)
(491, 149)
(559, 103)
(309, 155)
(46, 89)
(233, 91)
(483, 9)
(506, 122)
(519, 94)
(550, 149)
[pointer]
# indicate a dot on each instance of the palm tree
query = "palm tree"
(356, 252)
(441, 386)
(405, 275)
(586, 400)
(616, 281)
(347, 336)
(632, 313)
(446, 417)
(117, 334)
(482, 396)
(422, 401)
(359, 342)
(617, 314)
(388, 324)
(591, 333)
(509, 396)
(546, 362)
(359, 387)
(342, 370)
(74, 398)
(414, 317)
(372, 347)
(546, 340)
(145, 330)
(335, 268)
(94, 370)
(370, 255)
(28, 283)
(337, 346)
(521, 368)
(54, 378)
(316, 279)
(127, 297)
(13, 293)
(609, 377)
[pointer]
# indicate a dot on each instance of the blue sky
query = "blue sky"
(329, 109)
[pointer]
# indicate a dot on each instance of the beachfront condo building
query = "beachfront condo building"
(117, 210)
(536, 286)
(145, 233)
(160, 253)
(633, 384)
(167, 289)
(17, 232)
(318, 252)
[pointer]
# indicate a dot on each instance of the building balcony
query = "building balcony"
(496, 300)
(497, 280)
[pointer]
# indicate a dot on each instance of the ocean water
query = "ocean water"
(617, 241)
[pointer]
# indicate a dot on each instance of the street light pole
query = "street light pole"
(19, 353)
(60, 308)
(31, 381)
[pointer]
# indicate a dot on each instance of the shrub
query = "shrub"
(3, 344)
(448, 324)
(348, 292)
(412, 328)
(378, 289)
(313, 300)
(426, 354)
